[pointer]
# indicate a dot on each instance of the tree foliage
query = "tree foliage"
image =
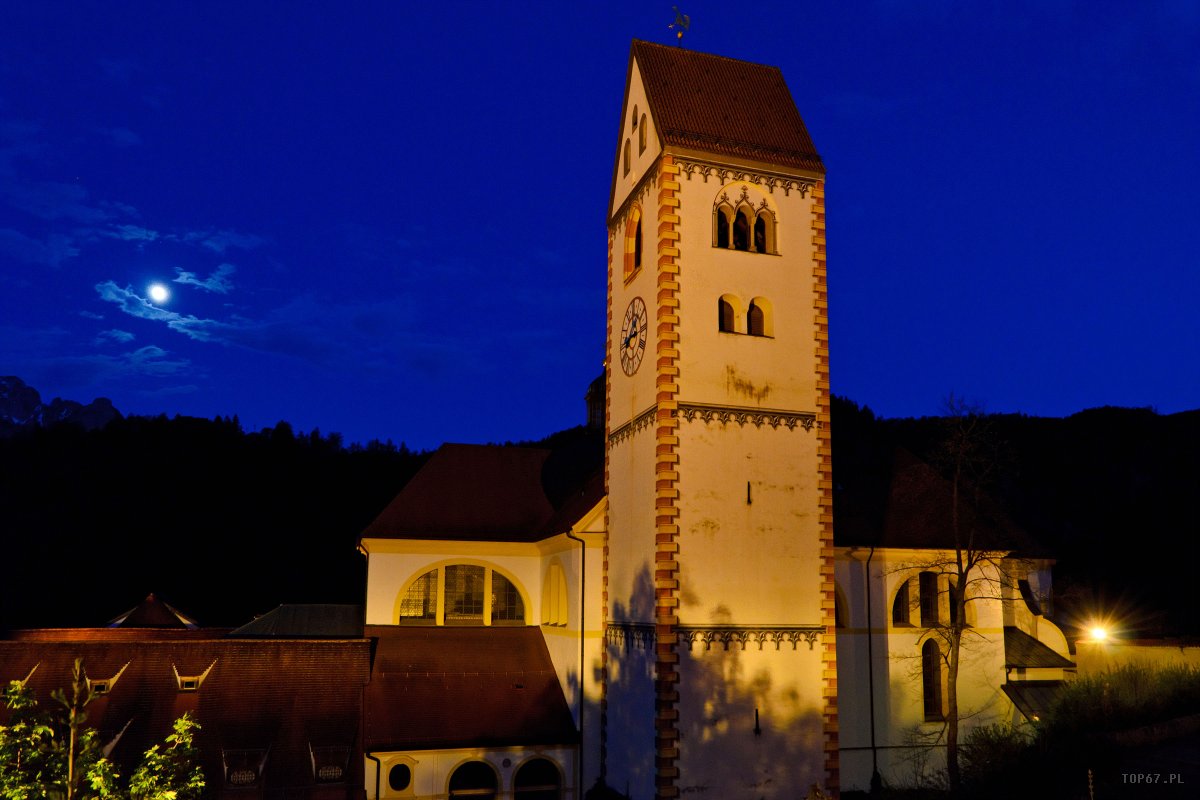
(51, 755)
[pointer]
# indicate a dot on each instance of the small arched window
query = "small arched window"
(474, 780)
(626, 158)
(637, 245)
(642, 136)
(726, 319)
(537, 779)
(756, 321)
(741, 231)
(931, 681)
(634, 119)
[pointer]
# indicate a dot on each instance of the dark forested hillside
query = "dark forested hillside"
(221, 523)
(225, 524)
(1111, 492)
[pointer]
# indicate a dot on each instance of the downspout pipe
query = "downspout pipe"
(378, 771)
(876, 779)
(582, 605)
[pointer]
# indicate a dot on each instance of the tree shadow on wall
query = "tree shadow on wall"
(749, 725)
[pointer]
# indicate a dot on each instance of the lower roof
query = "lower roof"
(443, 687)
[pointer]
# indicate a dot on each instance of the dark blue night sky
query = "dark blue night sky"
(388, 219)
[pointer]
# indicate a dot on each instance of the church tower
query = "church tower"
(719, 663)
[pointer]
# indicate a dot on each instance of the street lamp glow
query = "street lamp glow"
(1098, 633)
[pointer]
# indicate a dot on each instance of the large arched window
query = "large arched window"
(931, 681)
(537, 779)
(474, 780)
(461, 594)
(744, 219)
(901, 606)
(927, 583)
(419, 603)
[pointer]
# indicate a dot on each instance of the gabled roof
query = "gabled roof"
(1023, 651)
(486, 493)
(723, 106)
(153, 613)
(441, 687)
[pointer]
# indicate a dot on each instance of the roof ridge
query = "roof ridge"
(706, 55)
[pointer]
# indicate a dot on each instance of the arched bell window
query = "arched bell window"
(755, 320)
(724, 219)
(741, 231)
(726, 321)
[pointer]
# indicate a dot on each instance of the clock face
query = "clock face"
(632, 341)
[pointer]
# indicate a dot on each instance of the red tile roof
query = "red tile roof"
(463, 687)
(724, 106)
(277, 694)
(481, 493)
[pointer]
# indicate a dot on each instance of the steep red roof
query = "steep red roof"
(481, 493)
(280, 695)
(463, 687)
(724, 106)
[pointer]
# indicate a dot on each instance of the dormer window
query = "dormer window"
(330, 764)
(243, 768)
(100, 686)
(191, 683)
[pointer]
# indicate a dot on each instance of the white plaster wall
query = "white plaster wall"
(755, 563)
(720, 690)
(737, 369)
(905, 742)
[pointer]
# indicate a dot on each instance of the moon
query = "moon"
(158, 293)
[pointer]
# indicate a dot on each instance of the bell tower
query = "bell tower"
(719, 665)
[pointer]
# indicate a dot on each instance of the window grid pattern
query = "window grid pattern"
(420, 601)
(464, 594)
(506, 601)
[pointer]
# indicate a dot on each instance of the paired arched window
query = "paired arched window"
(757, 320)
(461, 594)
(931, 681)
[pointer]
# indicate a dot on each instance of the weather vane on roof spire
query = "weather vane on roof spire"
(680, 25)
